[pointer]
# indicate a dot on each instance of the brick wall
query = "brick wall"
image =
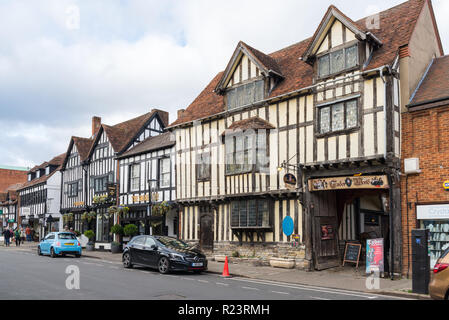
(10, 177)
(425, 136)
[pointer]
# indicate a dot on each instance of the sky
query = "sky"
(64, 61)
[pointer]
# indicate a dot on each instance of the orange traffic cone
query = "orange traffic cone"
(226, 269)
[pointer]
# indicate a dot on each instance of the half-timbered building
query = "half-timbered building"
(147, 178)
(101, 164)
(8, 207)
(307, 137)
(39, 198)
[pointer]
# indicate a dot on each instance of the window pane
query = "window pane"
(240, 96)
(337, 61)
(234, 214)
(351, 114)
(338, 117)
(231, 95)
(248, 93)
(263, 219)
(243, 213)
(351, 57)
(252, 222)
(325, 120)
(323, 66)
(258, 88)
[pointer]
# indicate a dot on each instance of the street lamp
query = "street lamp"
(152, 184)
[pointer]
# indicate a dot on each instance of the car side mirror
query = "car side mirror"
(153, 247)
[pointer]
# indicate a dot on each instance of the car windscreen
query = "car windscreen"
(444, 257)
(173, 243)
(66, 236)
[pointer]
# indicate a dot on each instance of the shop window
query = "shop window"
(245, 94)
(250, 213)
(338, 117)
(134, 177)
(338, 61)
(203, 166)
(246, 151)
(164, 173)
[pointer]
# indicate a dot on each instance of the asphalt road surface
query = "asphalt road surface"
(25, 275)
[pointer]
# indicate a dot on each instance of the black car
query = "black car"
(163, 253)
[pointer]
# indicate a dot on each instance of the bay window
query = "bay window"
(245, 94)
(164, 173)
(203, 167)
(252, 213)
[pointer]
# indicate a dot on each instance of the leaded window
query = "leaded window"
(337, 61)
(337, 117)
(245, 94)
(203, 166)
(246, 151)
(251, 213)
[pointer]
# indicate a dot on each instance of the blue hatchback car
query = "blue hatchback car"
(59, 243)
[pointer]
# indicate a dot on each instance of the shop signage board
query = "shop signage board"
(352, 253)
(374, 255)
(446, 185)
(290, 181)
(432, 212)
(79, 203)
(287, 226)
(344, 183)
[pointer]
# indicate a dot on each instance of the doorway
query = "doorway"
(206, 228)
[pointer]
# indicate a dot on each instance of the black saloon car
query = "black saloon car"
(163, 253)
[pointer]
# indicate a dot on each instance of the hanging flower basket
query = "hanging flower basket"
(84, 216)
(91, 216)
(160, 209)
(99, 200)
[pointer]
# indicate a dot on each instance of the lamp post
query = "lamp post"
(152, 183)
(49, 221)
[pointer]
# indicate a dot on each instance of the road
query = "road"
(25, 275)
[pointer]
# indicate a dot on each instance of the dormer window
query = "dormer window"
(30, 177)
(38, 174)
(245, 94)
(337, 61)
(47, 170)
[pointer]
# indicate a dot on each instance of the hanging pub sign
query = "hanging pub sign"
(290, 181)
(341, 183)
(327, 232)
(374, 255)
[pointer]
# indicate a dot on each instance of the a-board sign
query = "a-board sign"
(352, 253)
(374, 255)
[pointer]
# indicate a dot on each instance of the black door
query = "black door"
(150, 253)
(206, 228)
(136, 249)
(325, 229)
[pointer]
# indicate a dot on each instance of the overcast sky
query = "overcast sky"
(64, 61)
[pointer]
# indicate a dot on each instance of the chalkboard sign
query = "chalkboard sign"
(352, 253)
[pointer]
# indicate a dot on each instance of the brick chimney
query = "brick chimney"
(96, 124)
(180, 112)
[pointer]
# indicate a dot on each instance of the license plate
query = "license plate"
(197, 264)
(69, 244)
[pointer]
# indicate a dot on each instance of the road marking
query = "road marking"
(312, 288)
(204, 281)
(112, 267)
(222, 284)
(188, 279)
(250, 288)
(280, 292)
(319, 298)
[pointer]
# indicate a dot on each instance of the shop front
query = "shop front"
(349, 209)
(435, 218)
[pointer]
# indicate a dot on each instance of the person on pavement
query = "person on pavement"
(17, 236)
(28, 234)
(22, 235)
(7, 235)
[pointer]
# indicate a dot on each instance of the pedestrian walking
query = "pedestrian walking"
(17, 236)
(22, 235)
(28, 233)
(6, 235)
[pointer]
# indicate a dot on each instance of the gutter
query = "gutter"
(280, 97)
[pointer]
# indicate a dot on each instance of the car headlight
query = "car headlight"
(176, 256)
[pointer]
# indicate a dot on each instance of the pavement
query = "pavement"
(344, 278)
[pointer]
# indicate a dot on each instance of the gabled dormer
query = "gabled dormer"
(339, 45)
(249, 77)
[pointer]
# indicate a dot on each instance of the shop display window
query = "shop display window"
(439, 238)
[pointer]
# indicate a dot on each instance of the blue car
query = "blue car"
(59, 243)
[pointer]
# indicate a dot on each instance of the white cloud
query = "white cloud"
(129, 57)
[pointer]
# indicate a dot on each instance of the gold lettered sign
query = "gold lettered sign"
(342, 183)
(79, 203)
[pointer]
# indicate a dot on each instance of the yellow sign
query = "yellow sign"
(341, 183)
(446, 185)
(142, 198)
(79, 203)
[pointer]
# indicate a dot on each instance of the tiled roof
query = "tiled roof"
(56, 161)
(158, 142)
(435, 84)
(83, 146)
(396, 26)
(247, 124)
(265, 60)
(121, 135)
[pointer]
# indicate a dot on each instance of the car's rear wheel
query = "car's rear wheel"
(163, 265)
(52, 253)
(127, 260)
(78, 255)
(39, 252)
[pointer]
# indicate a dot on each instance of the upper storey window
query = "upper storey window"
(337, 61)
(245, 94)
